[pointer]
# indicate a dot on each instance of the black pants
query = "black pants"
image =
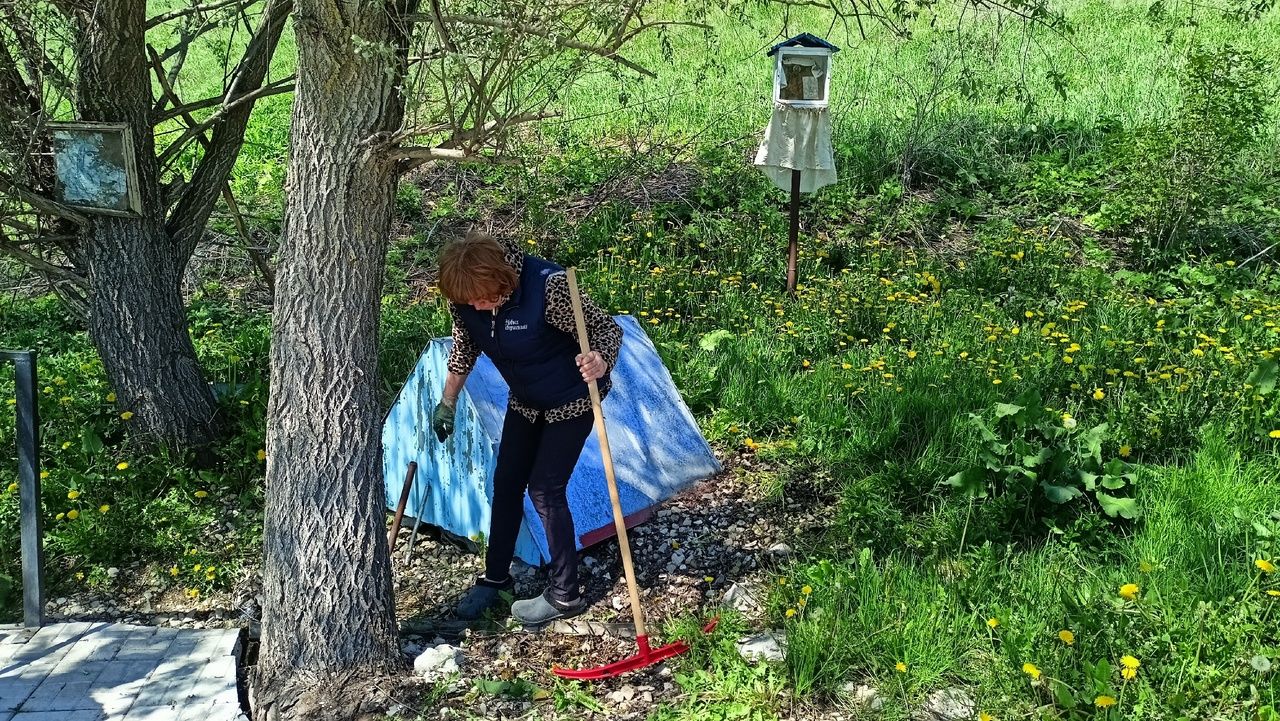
(540, 457)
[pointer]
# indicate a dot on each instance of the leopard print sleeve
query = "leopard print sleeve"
(604, 335)
(463, 354)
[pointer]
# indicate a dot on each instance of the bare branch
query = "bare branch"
(193, 9)
(502, 23)
(283, 85)
(421, 155)
(227, 196)
(40, 264)
(195, 203)
(658, 24)
(38, 63)
(40, 202)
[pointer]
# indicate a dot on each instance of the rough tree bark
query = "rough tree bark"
(137, 319)
(328, 611)
(130, 268)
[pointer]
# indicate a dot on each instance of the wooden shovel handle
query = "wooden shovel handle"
(619, 524)
(404, 499)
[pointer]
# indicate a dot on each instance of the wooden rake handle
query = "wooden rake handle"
(619, 523)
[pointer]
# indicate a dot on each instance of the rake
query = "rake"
(645, 656)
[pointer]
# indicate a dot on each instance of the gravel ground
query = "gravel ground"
(720, 543)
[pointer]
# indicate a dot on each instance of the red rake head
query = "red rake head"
(645, 657)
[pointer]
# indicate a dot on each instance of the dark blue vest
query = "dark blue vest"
(534, 358)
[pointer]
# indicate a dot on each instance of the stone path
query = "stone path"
(115, 672)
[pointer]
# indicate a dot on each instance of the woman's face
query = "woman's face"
(487, 303)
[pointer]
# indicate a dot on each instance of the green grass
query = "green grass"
(927, 296)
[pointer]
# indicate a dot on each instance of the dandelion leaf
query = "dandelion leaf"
(1007, 409)
(1113, 506)
(712, 340)
(1060, 494)
(972, 482)
(1263, 378)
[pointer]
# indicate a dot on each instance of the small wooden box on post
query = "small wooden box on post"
(796, 151)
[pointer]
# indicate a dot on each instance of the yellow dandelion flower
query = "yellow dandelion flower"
(1125, 451)
(1130, 662)
(60, 516)
(122, 465)
(104, 508)
(44, 475)
(1273, 593)
(1104, 701)
(1129, 591)
(262, 454)
(900, 667)
(1265, 566)
(1275, 433)
(791, 612)
(126, 415)
(1067, 637)
(173, 570)
(993, 622)
(73, 514)
(807, 589)
(13, 488)
(202, 494)
(1098, 394)
(984, 716)
(709, 579)
(1128, 673)
(111, 397)
(73, 495)
(193, 593)
(1031, 670)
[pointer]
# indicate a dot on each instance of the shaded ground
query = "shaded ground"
(726, 536)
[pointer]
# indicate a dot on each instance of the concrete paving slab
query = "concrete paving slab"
(91, 671)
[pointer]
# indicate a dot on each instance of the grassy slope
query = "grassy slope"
(860, 390)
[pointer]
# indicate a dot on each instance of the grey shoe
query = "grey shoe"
(544, 609)
(482, 596)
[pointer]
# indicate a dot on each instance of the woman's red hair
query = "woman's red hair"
(475, 268)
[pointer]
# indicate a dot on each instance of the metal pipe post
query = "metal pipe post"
(30, 511)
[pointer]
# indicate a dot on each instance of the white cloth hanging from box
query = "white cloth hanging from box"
(798, 139)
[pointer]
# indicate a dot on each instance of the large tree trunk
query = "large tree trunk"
(137, 319)
(328, 611)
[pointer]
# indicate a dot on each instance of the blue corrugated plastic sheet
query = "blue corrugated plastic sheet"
(657, 448)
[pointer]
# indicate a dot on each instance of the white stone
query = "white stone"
(438, 662)
(863, 696)
(763, 646)
(949, 704)
(740, 600)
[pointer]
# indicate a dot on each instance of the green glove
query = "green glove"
(442, 421)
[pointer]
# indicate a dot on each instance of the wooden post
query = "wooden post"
(793, 233)
(30, 511)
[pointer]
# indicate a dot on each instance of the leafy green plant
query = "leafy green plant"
(1177, 178)
(1025, 446)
